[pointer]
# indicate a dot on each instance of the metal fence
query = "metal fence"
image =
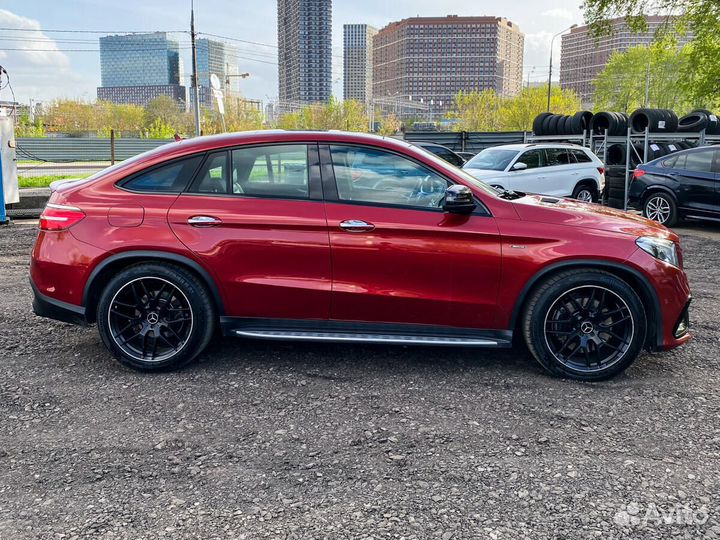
(76, 157)
(466, 141)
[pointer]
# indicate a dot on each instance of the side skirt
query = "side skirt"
(359, 332)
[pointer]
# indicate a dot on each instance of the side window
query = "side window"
(170, 178)
(557, 156)
(375, 176)
(271, 171)
(213, 176)
(448, 156)
(580, 156)
(531, 158)
(699, 161)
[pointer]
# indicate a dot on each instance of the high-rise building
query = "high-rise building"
(357, 61)
(135, 68)
(305, 51)
(221, 59)
(584, 56)
(433, 58)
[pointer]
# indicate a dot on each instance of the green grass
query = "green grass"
(40, 181)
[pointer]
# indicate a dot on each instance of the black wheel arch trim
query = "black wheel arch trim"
(150, 255)
(648, 191)
(648, 290)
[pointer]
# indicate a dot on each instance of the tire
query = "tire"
(660, 207)
(538, 123)
(584, 190)
(170, 336)
(713, 127)
(693, 122)
(618, 203)
(614, 123)
(616, 193)
(592, 302)
(616, 154)
(552, 124)
(657, 120)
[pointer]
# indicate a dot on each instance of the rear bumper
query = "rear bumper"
(44, 306)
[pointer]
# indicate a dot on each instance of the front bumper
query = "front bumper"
(44, 306)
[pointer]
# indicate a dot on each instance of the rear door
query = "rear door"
(696, 175)
(254, 216)
(561, 172)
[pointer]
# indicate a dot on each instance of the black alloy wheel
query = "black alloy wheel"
(589, 328)
(150, 319)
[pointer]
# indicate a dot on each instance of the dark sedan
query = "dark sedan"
(681, 185)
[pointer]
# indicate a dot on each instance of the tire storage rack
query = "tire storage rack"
(624, 142)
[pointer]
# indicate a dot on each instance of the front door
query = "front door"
(255, 217)
(695, 173)
(396, 256)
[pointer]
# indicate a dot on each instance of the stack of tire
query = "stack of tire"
(615, 123)
(617, 153)
(698, 120)
(654, 120)
(615, 187)
(561, 124)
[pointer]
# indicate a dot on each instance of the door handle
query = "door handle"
(204, 221)
(356, 225)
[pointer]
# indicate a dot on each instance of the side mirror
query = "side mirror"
(458, 200)
(519, 166)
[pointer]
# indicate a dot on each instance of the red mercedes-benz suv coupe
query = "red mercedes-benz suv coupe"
(333, 236)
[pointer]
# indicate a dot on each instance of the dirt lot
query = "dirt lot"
(275, 440)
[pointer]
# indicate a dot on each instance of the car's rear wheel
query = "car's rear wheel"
(660, 207)
(585, 193)
(154, 316)
(585, 324)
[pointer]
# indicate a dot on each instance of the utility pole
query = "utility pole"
(647, 84)
(195, 86)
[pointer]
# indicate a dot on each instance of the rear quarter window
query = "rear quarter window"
(170, 177)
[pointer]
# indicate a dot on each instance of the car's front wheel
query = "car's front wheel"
(585, 193)
(584, 324)
(154, 316)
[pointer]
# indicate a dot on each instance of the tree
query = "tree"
(348, 115)
(701, 75)
(389, 125)
(622, 84)
(487, 111)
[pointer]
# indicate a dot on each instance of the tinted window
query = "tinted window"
(374, 176)
(213, 175)
(170, 178)
(493, 159)
(580, 156)
(556, 156)
(271, 171)
(446, 154)
(698, 161)
(533, 159)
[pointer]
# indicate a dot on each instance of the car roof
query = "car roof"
(524, 146)
(430, 143)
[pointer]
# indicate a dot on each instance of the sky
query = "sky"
(47, 74)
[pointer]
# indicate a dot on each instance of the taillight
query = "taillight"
(57, 217)
(601, 170)
(637, 173)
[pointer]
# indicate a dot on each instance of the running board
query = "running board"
(343, 332)
(367, 338)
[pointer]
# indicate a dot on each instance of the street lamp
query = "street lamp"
(552, 41)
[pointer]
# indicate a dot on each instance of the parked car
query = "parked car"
(442, 151)
(562, 170)
(685, 184)
(331, 236)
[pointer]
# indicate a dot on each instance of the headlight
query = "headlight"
(662, 249)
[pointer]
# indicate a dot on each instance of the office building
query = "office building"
(304, 52)
(433, 58)
(135, 68)
(357, 61)
(222, 60)
(583, 56)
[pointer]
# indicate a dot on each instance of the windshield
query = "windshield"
(492, 159)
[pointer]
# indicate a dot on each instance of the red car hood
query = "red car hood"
(573, 213)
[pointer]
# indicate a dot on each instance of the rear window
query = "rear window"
(167, 178)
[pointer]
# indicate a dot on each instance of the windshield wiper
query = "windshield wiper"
(509, 194)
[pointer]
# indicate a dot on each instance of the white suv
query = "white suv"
(562, 170)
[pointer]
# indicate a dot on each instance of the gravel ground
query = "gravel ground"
(280, 440)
